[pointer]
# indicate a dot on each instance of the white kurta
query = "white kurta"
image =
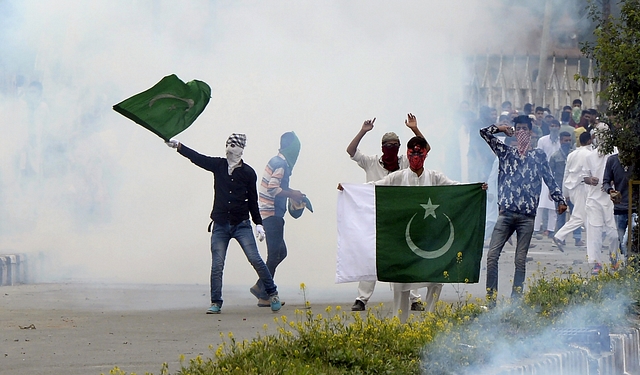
(371, 164)
(600, 218)
(574, 188)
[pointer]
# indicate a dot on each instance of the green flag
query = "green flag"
(167, 108)
(429, 233)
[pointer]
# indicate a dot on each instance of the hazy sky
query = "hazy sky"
(117, 204)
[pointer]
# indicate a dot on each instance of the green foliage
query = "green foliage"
(615, 53)
(456, 338)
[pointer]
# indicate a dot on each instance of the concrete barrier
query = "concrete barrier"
(22, 268)
(3, 271)
(12, 274)
(14, 269)
(626, 348)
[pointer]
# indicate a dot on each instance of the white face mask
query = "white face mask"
(234, 157)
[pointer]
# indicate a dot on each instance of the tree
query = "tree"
(616, 53)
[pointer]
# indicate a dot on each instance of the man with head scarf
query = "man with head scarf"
(416, 175)
(520, 174)
(601, 224)
(377, 167)
(235, 198)
(273, 192)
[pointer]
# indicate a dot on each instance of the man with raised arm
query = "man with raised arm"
(377, 167)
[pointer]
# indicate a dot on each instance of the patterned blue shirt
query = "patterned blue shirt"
(520, 177)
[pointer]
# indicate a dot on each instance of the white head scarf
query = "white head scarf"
(235, 148)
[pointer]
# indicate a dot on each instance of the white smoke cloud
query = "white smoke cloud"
(108, 200)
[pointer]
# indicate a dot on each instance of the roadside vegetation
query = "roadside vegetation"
(455, 339)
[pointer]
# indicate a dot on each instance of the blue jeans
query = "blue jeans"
(508, 222)
(276, 248)
(562, 219)
(621, 223)
(221, 235)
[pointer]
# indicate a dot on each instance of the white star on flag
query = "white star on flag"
(430, 209)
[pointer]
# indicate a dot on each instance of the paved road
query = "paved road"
(87, 328)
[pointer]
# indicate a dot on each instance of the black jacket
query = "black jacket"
(235, 196)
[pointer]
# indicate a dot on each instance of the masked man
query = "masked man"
(520, 174)
(235, 197)
(600, 219)
(416, 175)
(273, 194)
(377, 167)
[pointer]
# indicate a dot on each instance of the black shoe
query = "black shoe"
(417, 306)
(357, 306)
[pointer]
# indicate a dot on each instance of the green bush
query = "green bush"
(456, 338)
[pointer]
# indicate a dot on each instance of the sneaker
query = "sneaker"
(596, 269)
(417, 306)
(579, 243)
(267, 303)
(357, 306)
(275, 302)
(213, 309)
(558, 243)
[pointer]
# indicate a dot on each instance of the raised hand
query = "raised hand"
(411, 121)
(368, 125)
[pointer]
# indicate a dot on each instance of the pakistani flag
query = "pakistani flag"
(167, 108)
(410, 234)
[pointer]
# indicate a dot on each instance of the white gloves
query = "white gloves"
(174, 143)
(260, 233)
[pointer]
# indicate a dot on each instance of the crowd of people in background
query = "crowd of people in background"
(594, 185)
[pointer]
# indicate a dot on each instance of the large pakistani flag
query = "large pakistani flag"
(410, 233)
(167, 108)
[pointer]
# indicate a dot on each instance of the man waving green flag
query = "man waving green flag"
(167, 108)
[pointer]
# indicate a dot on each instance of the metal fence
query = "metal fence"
(633, 238)
(498, 78)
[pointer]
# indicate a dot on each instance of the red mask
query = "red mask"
(416, 157)
(390, 158)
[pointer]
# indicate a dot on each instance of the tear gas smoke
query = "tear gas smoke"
(101, 198)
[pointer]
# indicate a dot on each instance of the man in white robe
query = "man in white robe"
(600, 219)
(574, 188)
